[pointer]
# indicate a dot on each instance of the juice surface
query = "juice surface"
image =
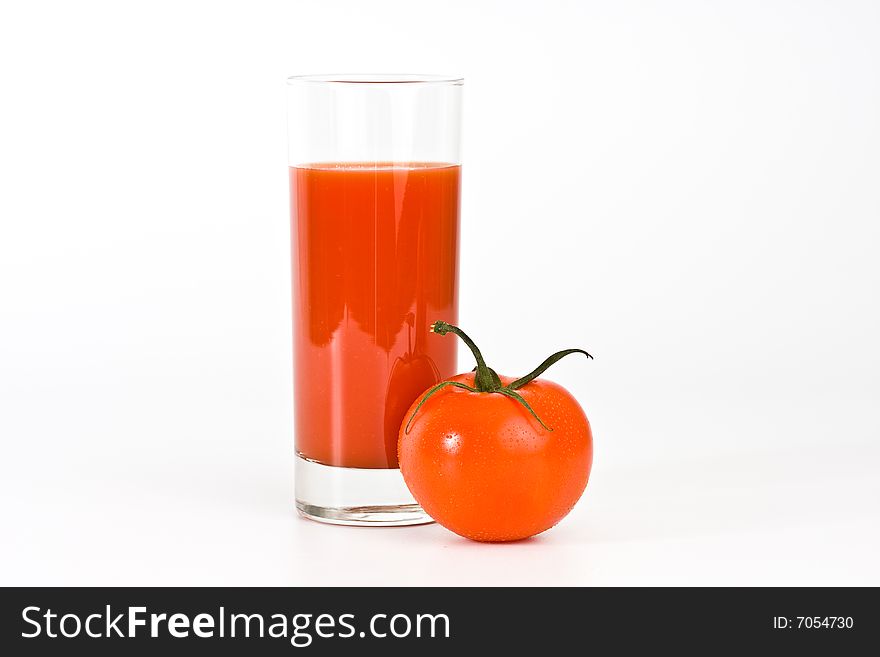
(375, 259)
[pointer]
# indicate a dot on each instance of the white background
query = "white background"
(689, 190)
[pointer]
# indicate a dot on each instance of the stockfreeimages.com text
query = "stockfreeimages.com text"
(300, 629)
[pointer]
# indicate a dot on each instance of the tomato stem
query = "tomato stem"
(540, 369)
(486, 379)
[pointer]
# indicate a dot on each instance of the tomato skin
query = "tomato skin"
(484, 468)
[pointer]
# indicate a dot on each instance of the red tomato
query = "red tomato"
(482, 463)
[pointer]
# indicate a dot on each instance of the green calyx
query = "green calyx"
(486, 380)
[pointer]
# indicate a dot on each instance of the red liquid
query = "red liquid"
(375, 259)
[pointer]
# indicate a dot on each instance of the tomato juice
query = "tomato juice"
(375, 260)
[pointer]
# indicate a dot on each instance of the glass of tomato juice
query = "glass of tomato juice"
(375, 174)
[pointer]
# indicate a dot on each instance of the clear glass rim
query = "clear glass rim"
(376, 78)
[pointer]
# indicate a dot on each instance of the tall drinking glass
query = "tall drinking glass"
(375, 173)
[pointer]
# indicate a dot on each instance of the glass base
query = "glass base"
(354, 496)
